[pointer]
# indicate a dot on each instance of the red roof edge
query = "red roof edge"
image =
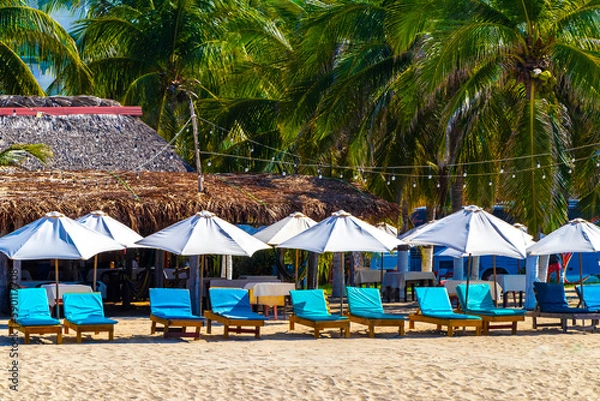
(64, 111)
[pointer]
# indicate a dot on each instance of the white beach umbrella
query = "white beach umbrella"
(104, 224)
(578, 235)
(474, 232)
(204, 234)
(342, 232)
(56, 236)
(285, 229)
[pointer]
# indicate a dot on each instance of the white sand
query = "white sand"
(423, 365)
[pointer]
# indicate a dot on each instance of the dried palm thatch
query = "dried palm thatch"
(86, 141)
(150, 201)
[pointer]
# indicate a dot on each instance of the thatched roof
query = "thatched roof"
(86, 141)
(150, 201)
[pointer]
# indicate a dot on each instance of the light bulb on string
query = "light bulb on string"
(393, 177)
(414, 184)
(465, 174)
(543, 176)
(502, 170)
(538, 164)
(283, 173)
(209, 163)
(514, 175)
(429, 176)
(570, 170)
(246, 169)
(490, 183)
(388, 182)
(341, 175)
(438, 184)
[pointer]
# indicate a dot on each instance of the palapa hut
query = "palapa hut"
(115, 163)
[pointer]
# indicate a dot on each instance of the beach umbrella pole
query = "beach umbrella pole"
(201, 290)
(495, 280)
(468, 278)
(581, 274)
(57, 288)
(342, 283)
(95, 270)
(297, 269)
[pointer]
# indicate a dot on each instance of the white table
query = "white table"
(63, 289)
(269, 294)
(367, 276)
(402, 280)
(512, 284)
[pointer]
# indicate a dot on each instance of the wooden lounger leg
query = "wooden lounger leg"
(27, 339)
(291, 323)
(316, 333)
(226, 332)
(411, 324)
(534, 323)
(514, 328)
(111, 335)
(166, 331)
(347, 332)
(477, 331)
(79, 336)
(371, 331)
(208, 325)
(257, 332)
(153, 328)
(197, 333)
(450, 330)
(486, 328)
(401, 329)
(66, 330)
(59, 337)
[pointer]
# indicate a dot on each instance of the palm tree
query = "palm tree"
(15, 153)
(31, 36)
(162, 54)
(517, 77)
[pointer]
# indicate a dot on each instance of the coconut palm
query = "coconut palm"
(162, 54)
(520, 72)
(30, 36)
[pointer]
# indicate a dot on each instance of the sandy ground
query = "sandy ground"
(291, 365)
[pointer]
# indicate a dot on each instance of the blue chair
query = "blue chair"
(172, 308)
(590, 298)
(31, 314)
(551, 302)
(84, 311)
(231, 307)
(311, 309)
(434, 307)
(365, 307)
(481, 303)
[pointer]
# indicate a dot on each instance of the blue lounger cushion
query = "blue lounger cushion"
(32, 309)
(172, 303)
(434, 302)
(366, 303)
(591, 297)
(551, 298)
(85, 308)
(311, 305)
(480, 301)
(232, 303)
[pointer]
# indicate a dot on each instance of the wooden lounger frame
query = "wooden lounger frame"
(343, 325)
(374, 322)
(237, 324)
(179, 326)
(564, 318)
(510, 322)
(28, 330)
(96, 328)
(440, 322)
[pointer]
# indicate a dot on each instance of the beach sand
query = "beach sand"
(424, 364)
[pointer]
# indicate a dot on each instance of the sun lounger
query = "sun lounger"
(84, 312)
(365, 307)
(590, 298)
(172, 308)
(552, 304)
(231, 307)
(480, 303)
(435, 308)
(31, 314)
(310, 309)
